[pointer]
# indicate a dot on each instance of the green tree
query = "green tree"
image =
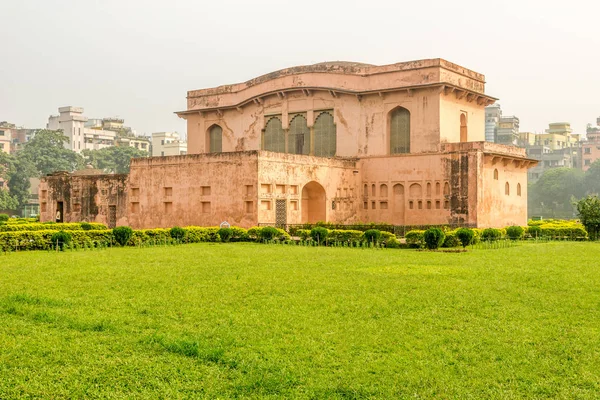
(552, 193)
(46, 151)
(592, 178)
(113, 159)
(588, 209)
(7, 201)
(15, 171)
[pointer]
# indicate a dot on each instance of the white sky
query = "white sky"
(136, 59)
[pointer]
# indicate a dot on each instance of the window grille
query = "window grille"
(299, 136)
(274, 136)
(400, 131)
(325, 135)
(216, 139)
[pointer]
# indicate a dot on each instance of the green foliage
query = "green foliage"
(47, 153)
(341, 235)
(16, 171)
(557, 229)
(67, 226)
(177, 233)
(552, 193)
(451, 240)
(225, 234)
(515, 232)
(304, 234)
(3, 217)
(392, 242)
(268, 233)
(433, 238)
(372, 235)
(319, 234)
(122, 234)
(588, 210)
(113, 159)
(466, 236)
(239, 234)
(414, 238)
(8, 201)
(491, 234)
(534, 231)
(86, 226)
(61, 239)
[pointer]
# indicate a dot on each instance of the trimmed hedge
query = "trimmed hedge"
(415, 238)
(42, 240)
(69, 226)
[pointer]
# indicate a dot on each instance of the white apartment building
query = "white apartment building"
(168, 144)
(72, 122)
(5, 139)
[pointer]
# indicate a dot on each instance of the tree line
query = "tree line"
(44, 154)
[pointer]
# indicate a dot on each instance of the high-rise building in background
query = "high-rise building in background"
(508, 131)
(492, 117)
(590, 149)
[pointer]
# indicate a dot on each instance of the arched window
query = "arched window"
(518, 189)
(400, 131)
(274, 136)
(383, 190)
(446, 189)
(495, 174)
(365, 190)
(415, 190)
(373, 190)
(463, 128)
(325, 135)
(215, 139)
(428, 189)
(299, 136)
(507, 189)
(437, 188)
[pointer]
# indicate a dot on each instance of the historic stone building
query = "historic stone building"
(340, 142)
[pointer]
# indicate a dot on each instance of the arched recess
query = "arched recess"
(299, 136)
(463, 128)
(428, 189)
(495, 174)
(415, 190)
(313, 203)
(325, 135)
(518, 189)
(215, 139)
(274, 136)
(446, 189)
(399, 131)
(398, 203)
(507, 189)
(383, 192)
(437, 189)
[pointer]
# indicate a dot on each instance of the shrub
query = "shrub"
(225, 234)
(3, 217)
(122, 234)
(268, 233)
(466, 236)
(303, 233)
(319, 234)
(414, 238)
(254, 233)
(451, 240)
(177, 233)
(69, 226)
(239, 234)
(491, 234)
(515, 232)
(433, 238)
(534, 231)
(344, 235)
(86, 226)
(60, 239)
(372, 235)
(392, 243)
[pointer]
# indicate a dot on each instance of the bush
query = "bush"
(372, 235)
(3, 217)
(69, 226)
(239, 234)
(60, 239)
(225, 234)
(433, 238)
(122, 234)
(466, 236)
(304, 234)
(515, 232)
(177, 233)
(268, 233)
(491, 234)
(344, 235)
(319, 234)
(451, 240)
(414, 238)
(86, 226)
(392, 243)
(534, 231)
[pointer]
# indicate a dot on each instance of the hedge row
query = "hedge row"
(69, 226)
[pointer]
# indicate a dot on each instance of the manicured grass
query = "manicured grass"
(268, 321)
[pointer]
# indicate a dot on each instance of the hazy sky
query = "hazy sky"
(137, 58)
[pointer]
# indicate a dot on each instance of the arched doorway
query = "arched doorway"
(463, 128)
(313, 203)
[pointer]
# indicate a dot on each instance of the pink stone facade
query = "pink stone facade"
(338, 142)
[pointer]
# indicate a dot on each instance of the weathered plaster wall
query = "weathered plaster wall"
(451, 108)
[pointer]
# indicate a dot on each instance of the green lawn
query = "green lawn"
(260, 321)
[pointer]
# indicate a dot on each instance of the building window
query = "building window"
(325, 135)
(588, 150)
(299, 136)
(495, 174)
(274, 136)
(463, 128)
(518, 189)
(411, 205)
(588, 162)
(400, 131)
(507, 189)
(215, 139)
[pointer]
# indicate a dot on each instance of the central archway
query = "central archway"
(313, 203)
